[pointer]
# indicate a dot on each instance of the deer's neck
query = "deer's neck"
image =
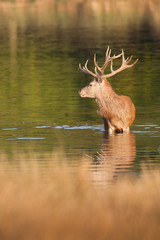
(106, 100)
(106, 94)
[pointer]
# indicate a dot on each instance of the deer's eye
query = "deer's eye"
(90, 85)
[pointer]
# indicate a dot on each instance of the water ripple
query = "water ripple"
(94, 127)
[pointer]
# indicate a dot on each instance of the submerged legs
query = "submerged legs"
(110, 129)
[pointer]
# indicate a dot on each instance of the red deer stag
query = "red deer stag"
(118, 111)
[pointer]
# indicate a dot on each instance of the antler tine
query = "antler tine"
(108, 54)
(83, 69)
(80, 67)
(123, 58)
(111, 67)
(85, 66)
(86, 70)
(95, 69)
(107, 51)
(129, 59)
(96, 64)
(131, 65)
(117, 56)
(109, 58)
(124, 65)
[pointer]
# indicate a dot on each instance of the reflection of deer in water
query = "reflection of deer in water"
(116, 155)
(118, 111)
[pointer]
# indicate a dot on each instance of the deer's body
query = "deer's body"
(118, 111)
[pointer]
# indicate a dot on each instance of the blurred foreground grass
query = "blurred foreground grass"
(55, 202)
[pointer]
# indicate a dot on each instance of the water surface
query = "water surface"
(41, 46)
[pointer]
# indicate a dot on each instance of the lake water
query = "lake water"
(41, 46)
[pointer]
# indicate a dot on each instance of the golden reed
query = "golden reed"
(55, 201)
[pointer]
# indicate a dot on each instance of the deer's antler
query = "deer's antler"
(87, 71)
(99, 71)
(123, 66)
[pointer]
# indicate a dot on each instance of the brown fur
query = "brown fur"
(118, 111)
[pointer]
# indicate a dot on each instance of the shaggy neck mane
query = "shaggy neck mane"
(106, 99)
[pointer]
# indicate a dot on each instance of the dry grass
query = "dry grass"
(62, 204)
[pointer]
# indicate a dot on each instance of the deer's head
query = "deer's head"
(100, 79)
